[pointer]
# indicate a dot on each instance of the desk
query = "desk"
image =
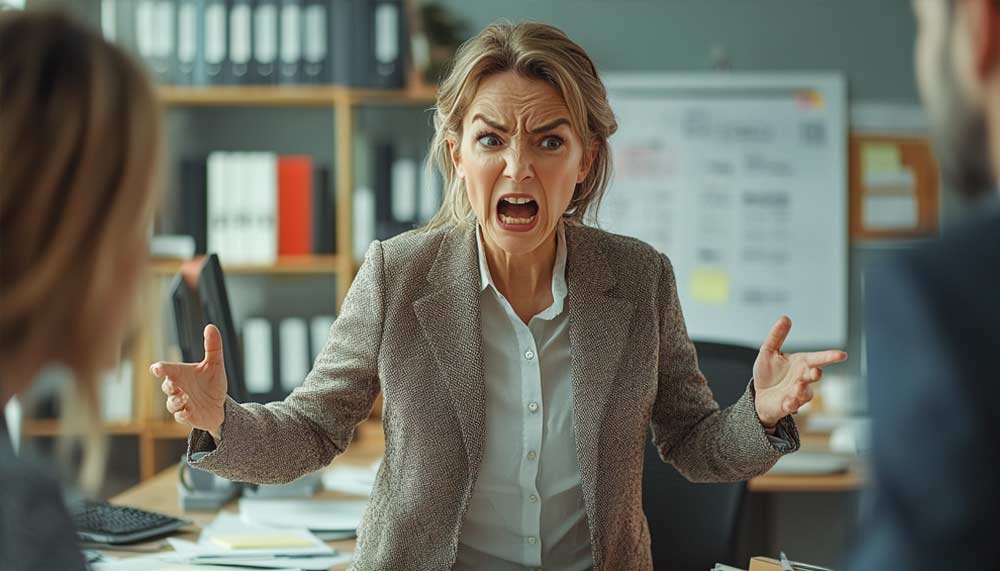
(159, 493)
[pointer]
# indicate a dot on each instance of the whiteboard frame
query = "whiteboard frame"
(833, 86)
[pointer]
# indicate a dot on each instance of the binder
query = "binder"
(290, 42)
(340, 42)
(146, 41)
(363, 228)
(109, 20)
(216, 41)
(323, 214)
(295, 205)
(239, 178)
(430, 192)
(315, 41)
(216, 214)
(265, 41)
(189, 67)
(266, 212)
(192, 206)
(294, 338)
(388, 43)
(240, 42)
(258, 361)
(319, 334)
(377, 43)
(403, 187)
(164, 41)
(386, 226)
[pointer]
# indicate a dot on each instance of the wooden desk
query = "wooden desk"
(851, 480)
(159, 493)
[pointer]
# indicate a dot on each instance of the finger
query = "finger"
(824, 358)
(182, 416)
(812, 375)
(776, 338)
(162, 370)
(169, 388)
(213, 345)
(804, 395)
(176, 404)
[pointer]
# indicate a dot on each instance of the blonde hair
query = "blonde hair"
(534, 51)
(79, 156)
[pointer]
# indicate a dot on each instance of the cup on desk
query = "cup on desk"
(195, 480)
(838, 393)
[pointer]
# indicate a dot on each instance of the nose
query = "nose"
(517, 164)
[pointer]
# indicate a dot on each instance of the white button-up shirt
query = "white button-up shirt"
(527, 509)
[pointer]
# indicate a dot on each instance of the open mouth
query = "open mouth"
(517, 211)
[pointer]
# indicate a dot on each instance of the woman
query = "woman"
(79, 141)
(521, 355)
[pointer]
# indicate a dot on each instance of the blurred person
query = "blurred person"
(79, 147)
(932, 319)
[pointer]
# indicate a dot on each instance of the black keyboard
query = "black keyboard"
(101, 522)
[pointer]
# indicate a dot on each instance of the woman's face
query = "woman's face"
(520, 160)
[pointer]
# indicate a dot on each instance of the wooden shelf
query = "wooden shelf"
(291, 95)
(51, 427)
(284, 265)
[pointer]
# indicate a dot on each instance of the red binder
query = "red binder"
(294, 205)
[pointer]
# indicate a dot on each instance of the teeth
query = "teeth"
(510, 220)
(522, 200)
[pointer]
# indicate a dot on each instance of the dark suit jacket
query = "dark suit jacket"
(410, 326)
(933, 329)
(36, 531)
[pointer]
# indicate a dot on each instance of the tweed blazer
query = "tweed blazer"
(410, 327)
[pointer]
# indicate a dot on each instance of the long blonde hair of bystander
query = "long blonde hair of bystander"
(79, 160)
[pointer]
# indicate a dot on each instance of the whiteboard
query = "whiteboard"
(741, 179)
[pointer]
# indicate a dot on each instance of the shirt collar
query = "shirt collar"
(559, 288)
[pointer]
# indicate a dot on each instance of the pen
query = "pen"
(786, 565)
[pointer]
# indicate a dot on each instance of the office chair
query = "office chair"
(693, 526)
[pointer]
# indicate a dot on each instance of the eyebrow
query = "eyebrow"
(547, 127)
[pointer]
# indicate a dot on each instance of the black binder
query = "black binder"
(316, 16)
(216, 41)
(189, 63)
(290, 42)
(265, 42)
(239, 44)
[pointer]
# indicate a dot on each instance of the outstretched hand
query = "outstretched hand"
(196, 392)
(783, 382)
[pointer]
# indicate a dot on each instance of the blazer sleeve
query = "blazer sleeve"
(704, 443)
(278, 442)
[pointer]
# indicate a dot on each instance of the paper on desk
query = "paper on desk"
(228, 524)
(326, 515)
(351, 479)
(158, 563)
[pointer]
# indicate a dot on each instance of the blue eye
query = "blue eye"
(557, 140)
(489, 141)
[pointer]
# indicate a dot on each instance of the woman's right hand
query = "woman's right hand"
(196, 392)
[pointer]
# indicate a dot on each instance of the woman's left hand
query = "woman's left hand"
(782, 382)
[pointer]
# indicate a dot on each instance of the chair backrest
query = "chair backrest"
(693, 526)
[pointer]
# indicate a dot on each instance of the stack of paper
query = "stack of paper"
(351, 479)
(316, 516)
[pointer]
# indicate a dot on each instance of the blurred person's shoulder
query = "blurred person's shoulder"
(36, 531)
(967, 255)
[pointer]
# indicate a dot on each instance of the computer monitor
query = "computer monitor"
(211, 305)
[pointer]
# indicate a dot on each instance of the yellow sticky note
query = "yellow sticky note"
(710, 286)
(261, 541)
(880, 158)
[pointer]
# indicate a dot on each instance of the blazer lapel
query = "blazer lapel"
(449, 318)
(599, 326)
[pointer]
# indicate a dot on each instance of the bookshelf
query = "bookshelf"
(156, 431)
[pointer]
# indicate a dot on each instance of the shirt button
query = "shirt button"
(533, 406)
(532, 540)
(529, 355)
(531, 455)
(533, 499)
